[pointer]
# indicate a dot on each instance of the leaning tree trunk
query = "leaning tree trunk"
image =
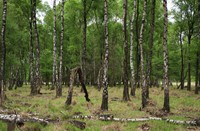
(131, 52)
(144, 99)
(37, 84)
(166, 106)
(149, 61)
(61, 49)
(125, 92)
(3, 52)
(104, 104)
(73, 76)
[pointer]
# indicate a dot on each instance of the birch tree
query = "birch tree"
(55, 69)
(31, 48)
(104, 104)
(3, 52)
(61, 49)
(131, 51)
(150, 52)
(125, 92)
(37, 83)
(166, 106)
(144, 99)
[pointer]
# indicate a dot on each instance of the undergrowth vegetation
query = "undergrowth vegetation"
(184, 106)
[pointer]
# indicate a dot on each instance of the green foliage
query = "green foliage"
(46, 60)
(17, 37)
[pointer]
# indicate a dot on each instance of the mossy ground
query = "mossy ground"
(184, 106)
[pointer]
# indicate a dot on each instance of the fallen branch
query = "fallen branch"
(111, 118)
(19, 119)
(78, 124)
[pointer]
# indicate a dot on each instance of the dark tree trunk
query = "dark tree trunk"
(189, 64)
(197, 78)
(197, 74)
(137, 54)
(166, 106)
(3, 52)
(11, 126)
(104, 104)
(131, 52)
(61, 50)
(84, 40)
(31, 49)
(125, 92)
(150, 52)
(182, 62)
(189, 35)
(144, 99)
(37, 83)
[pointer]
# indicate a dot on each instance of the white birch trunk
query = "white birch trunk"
(144, 101)
(104, 104)
(166, 106)
(3, 51)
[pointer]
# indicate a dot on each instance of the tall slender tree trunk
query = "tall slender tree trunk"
(37, 56)
(31, 49)
(125, 92)
(144, 99)
(55, 66)
(182, 61)
(189, 63)
(197, 73)
(61, 49)
(84, 40)
(137, 54)
(149, 61)
(104, 104)
(197, 83)
(166, 106)
(54, 81)
(131, 52)
(189, 36)
(3, 52)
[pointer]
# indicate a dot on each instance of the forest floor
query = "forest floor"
(184, 106)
